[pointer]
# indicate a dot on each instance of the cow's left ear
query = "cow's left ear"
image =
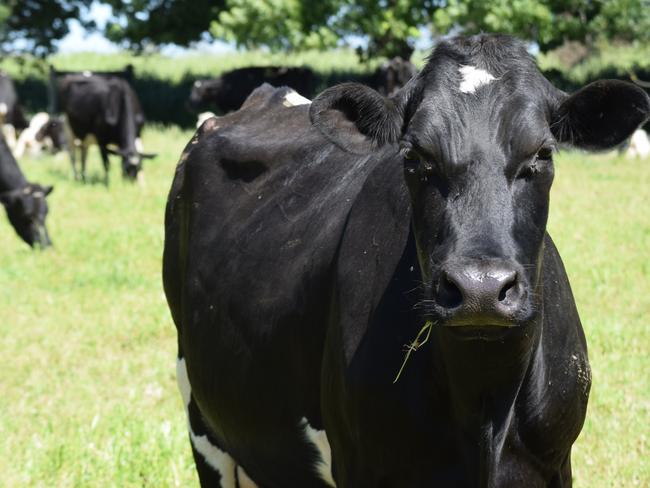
(600, 115)
(356, 118)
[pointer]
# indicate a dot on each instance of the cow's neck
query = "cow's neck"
(484, 380)
(11, 178)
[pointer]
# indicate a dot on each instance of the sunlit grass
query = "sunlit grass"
(87, 347)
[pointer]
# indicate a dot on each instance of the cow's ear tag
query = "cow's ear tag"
(356, 118)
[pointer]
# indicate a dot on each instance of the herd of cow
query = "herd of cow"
(363, 286)
(102, 108)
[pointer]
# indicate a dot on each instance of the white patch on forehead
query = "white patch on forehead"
(3, 109)
(473, 78)
(215, 457)
(319, 440)
(293, 99)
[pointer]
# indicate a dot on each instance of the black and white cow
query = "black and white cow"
(12, 119)
(103, 110)
(303, 261)
(44, 132)
(228, 91)
(24, 201)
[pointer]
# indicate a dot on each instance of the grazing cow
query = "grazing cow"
(305, 263)
(11, 114)
(24, 201)
(104, 110)
(228, 92)
(43, 132)
(392, 75)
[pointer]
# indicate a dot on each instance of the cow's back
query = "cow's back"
(253, 221)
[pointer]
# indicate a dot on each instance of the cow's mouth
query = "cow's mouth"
(488, 333)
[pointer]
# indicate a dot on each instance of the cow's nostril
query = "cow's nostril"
(449, 295)
(508, 290)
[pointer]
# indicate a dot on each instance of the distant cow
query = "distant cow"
(311, 250)
(392, 75)
(43, 132)
(104, 110)
(228, 91)
(12, 119)
(24, 201)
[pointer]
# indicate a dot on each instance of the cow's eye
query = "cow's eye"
(410, 155)
(543, 160)
(545, 154)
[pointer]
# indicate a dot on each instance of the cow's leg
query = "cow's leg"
(105, 162)
(84, 157)
(215, 467)
(73, 160)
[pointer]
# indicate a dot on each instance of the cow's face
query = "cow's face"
(131, 162)
(203, 91)
(476, 131)
(27, 208)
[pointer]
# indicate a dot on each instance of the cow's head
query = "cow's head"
(54, 130)
(131, 161)
(27, 208)
(203, 91)
(477, 130)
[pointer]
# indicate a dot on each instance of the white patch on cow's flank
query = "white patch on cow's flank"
(219, 460)
(293, 99)
(319, 440)
(473, 78)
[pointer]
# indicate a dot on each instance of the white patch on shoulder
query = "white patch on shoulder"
(293, 99)
(215, 457)
(319, 440)
(473, 78)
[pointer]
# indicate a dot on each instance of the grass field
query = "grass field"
(87, 347)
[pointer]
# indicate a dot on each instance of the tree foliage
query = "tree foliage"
(35, 25)
(389, 27)
(549, 23)
(379, 27)
(141, 23)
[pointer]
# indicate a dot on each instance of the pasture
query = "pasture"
(87, 346)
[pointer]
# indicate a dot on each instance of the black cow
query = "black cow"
(228, 91)
(392, 75)
(303, 261)
(107, 110)
(24, 202)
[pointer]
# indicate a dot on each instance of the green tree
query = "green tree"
(142, 23)
(34, 26)
(549, 23)
(390, 27)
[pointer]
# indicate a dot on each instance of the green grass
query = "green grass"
(87, 347)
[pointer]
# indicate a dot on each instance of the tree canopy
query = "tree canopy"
(34, 25)
(379, 27)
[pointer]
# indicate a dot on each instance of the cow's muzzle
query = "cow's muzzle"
(481, 298)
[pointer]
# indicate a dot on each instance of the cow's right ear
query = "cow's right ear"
(356, 118)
